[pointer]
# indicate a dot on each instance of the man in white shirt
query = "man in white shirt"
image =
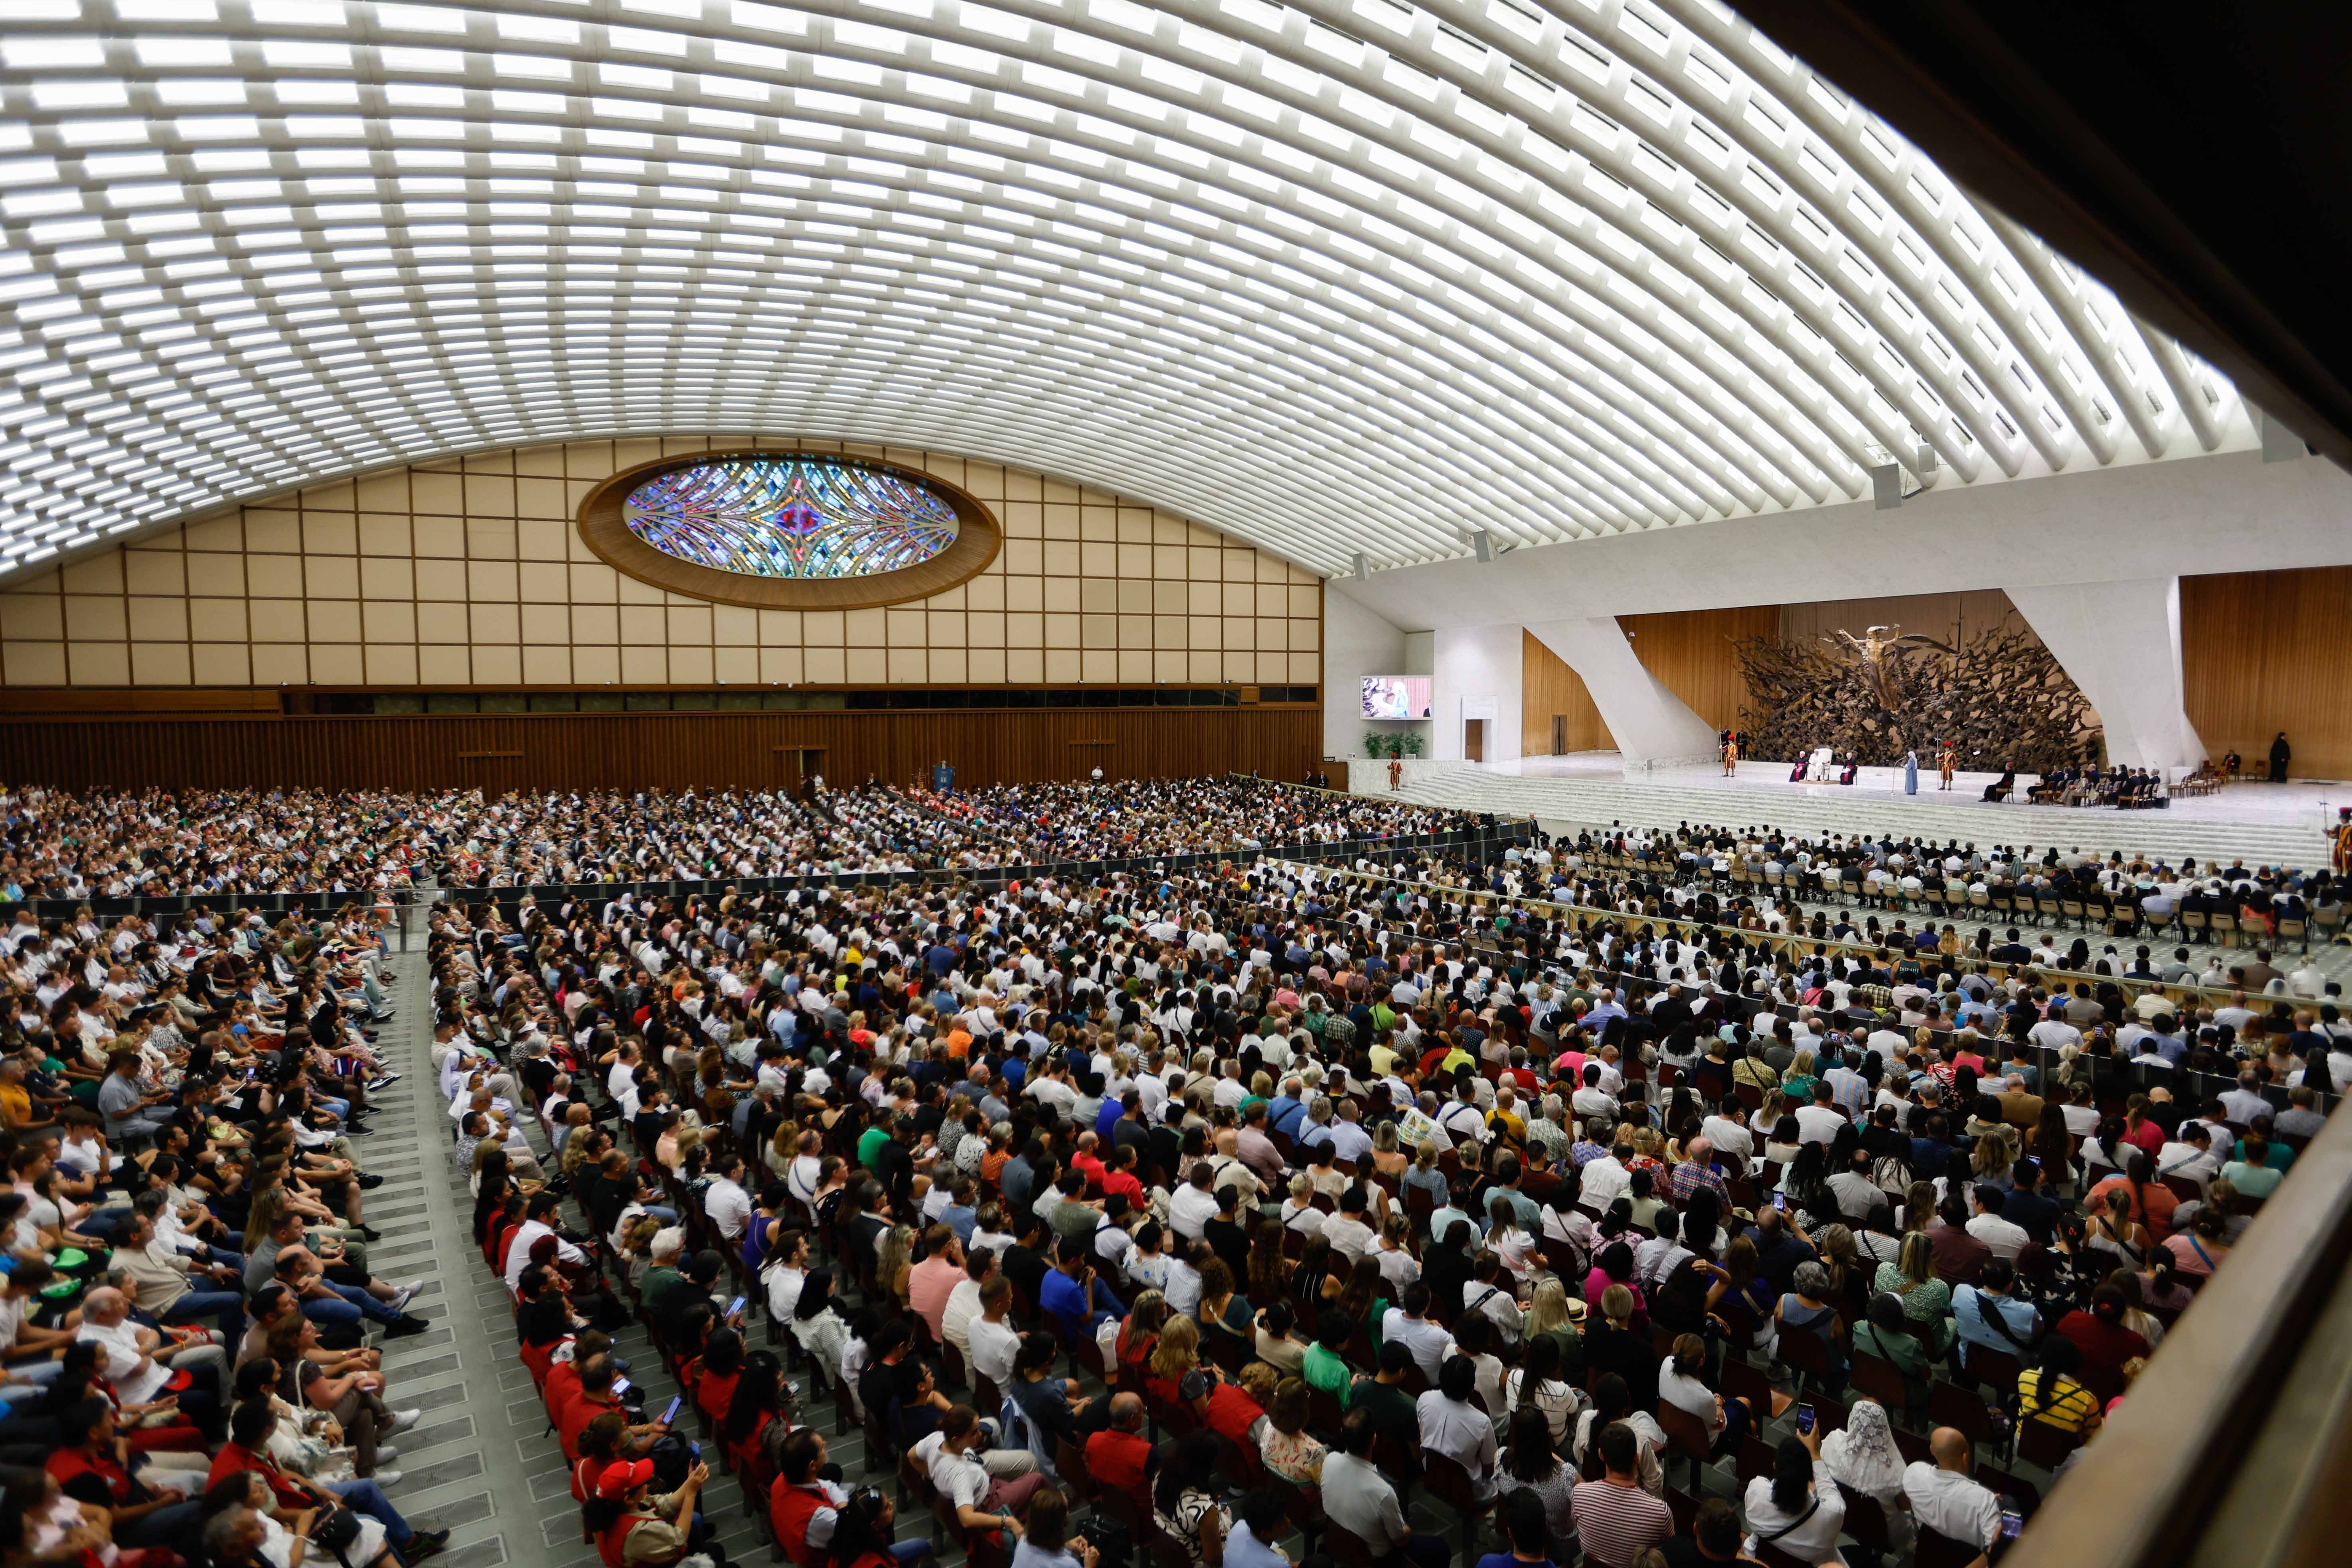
(964, 1302)
(1728, 1132)
(993, 1342)
(1358, 1499)
(1346, 1231)
(1408, 1326)
(785, 1275)
(1451, 1425)
(726, 1201)
(1945, 1498)
(2005, 1237)
(1193, 1205)
(1606, 1179)
(1819, 1122)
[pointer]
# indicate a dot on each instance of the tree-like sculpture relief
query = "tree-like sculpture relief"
(2000, 699)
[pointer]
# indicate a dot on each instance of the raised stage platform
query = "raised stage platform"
(2262, 824)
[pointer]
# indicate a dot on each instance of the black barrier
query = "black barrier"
(109, 909)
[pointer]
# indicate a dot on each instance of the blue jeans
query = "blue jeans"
(367, 1498)
(226, 1307)
(104, 1223)
(354, 1304)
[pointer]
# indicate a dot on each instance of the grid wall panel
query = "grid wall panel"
(470, 573)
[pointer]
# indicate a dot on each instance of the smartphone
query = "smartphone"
(1805, 1420)
(620, 1387)
(671, 1415)
(2012, 1521)
(1780, 1202)
(735, 1305)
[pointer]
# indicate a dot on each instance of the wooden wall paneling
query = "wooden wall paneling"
(1690, 653)
(1970, 615)
(1548, 687)
(2265, 651)
(661, 750)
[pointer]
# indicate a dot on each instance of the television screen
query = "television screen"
(1396, 697)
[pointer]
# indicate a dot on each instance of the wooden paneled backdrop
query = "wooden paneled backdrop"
(2265, 651)
(658, 751)
(2261, 652)
(1549, 690)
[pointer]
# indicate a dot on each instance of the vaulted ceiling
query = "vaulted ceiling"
(1342, 277)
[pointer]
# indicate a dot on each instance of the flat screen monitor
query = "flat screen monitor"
(1396, 697)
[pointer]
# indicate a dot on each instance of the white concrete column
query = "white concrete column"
(2121, 643)
(1358, 641)
(1650, 724)
(1478, 671)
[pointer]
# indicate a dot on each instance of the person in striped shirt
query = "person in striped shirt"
(1616, 1520)
(2051, 1393)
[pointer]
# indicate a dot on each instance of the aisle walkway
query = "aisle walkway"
(446, 1477)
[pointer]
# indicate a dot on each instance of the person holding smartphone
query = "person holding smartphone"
(1798, 1508)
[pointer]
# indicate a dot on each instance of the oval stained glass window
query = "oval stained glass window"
(791, 517)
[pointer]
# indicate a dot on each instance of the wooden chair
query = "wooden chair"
(1880, 1381)
(1936, 1550)
(1998, 1368)
(1803, 1350)
(1685, 1437)
(2040, 1443)
(1448, 1481)
(1347, 1550)
(1949, 1404)
(1865, 1520)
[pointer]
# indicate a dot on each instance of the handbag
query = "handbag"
(336, 1530)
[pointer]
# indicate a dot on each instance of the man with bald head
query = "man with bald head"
(1946, 1499)
(1117, 1456)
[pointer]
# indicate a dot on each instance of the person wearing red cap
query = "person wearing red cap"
(635, 1529)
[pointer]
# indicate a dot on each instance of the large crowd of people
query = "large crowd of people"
(1343, 1180)
(190, 1329)
(67, 843)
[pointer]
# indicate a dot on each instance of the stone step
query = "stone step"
(2162, 835)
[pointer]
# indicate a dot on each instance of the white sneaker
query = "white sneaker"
(402, 1420)
(385, 1453)
(386, 1478)
(401, 1297)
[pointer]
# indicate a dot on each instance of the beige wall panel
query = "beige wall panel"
(471, 572)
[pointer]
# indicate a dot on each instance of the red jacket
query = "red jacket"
(790, 1509)
(232, 1460)
(1115, 1461)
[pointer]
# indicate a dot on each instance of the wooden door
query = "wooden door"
(1474, 740)
(1085, 756)
(1559, 734)
(795, 766)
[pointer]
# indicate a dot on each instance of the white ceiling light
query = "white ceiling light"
(1333, 275)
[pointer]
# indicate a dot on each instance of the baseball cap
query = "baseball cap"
(622, 1477)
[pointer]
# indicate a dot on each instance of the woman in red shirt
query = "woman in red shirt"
(2104, 1342)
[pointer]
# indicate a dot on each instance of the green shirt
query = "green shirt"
(870, 1144)
(1326, 1370)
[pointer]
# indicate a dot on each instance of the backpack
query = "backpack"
(1892, 1173)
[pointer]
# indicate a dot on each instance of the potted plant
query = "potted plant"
(1412, 744)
